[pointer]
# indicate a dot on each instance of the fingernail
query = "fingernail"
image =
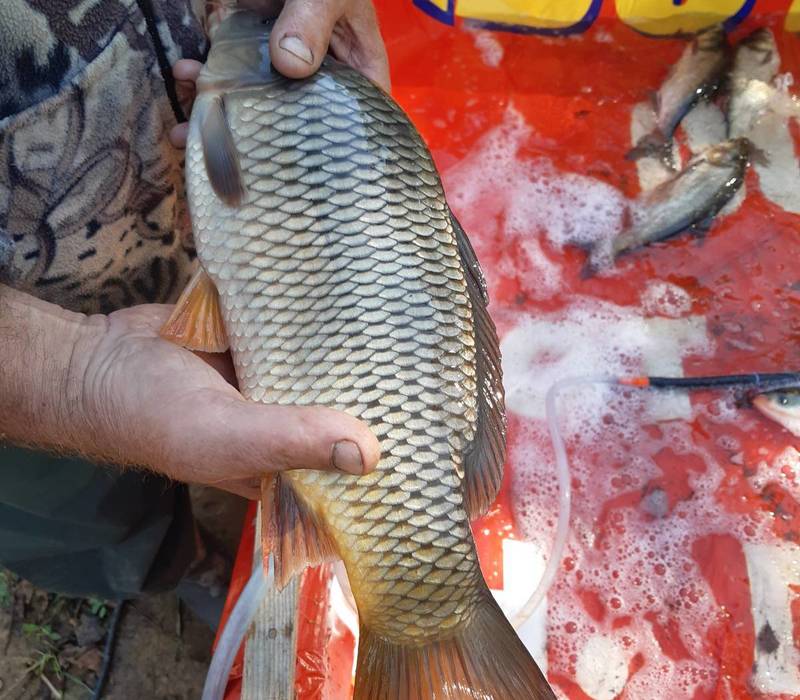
(295, 46)
(346, 457)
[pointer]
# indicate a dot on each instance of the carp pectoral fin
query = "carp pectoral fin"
(290, 531)
(483, 658)
(196, 323)
(485, 455)
(220, 154)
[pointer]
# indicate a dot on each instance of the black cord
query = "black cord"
(757, 381)
(146, 8)
(108, 651)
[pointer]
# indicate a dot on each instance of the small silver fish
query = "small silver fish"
(689, 200)
(782, 406)
(698, 74)
(754, 68)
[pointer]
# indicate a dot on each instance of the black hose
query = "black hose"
(759, 382)
(108, 651)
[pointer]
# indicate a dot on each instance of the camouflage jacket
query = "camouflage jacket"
(91, 209)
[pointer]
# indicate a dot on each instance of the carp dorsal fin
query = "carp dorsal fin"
(485, 455)
(220, 154)
(196, 322)
(291, 531)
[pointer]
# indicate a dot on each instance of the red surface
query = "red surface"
(740, 279)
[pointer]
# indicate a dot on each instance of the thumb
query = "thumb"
(302, 32)
(221, 437)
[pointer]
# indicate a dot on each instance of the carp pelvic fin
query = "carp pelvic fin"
(485, 455)
(196, 323)
(291, 531)
(483, 659)
(220, 154)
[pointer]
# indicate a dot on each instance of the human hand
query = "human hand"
(303, 33)
(110, 388)
(153, 403)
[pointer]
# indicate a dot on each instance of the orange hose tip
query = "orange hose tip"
(639, 382)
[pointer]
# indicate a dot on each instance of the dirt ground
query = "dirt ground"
(51, 647)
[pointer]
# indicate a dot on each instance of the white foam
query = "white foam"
(592, 338)
(704, 126)
(602, 668)
(491, 49)
(779, 176)
(526, 200)
(665, 299)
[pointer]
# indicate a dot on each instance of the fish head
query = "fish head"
(239, 52)
(782, 406)
(712, 39)
(757, 56)
(761, 45)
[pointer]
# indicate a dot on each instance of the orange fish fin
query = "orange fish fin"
(483, 659)
(220, 154)
(485, 455)
(196, 323)
(291, 531)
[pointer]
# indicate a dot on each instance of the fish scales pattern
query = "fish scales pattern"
(341, 284)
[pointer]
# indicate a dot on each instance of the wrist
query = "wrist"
(45, 349)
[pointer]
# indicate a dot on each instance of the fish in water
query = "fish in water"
(755, 66)
(698, 74)
(343, 279)
(688, 201)
(782, 406)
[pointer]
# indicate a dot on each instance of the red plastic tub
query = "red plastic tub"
(682, 572)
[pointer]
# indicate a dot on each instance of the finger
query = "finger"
(178, 135)
(302, 32)
(187, 69)
(357, 41)
(221, 437)
(186, 72)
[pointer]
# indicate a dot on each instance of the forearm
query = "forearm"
(42, 347)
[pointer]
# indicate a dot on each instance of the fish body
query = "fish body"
(782, 406)
(697, 75)
(689, 200)
(755, 66)
(345, 281)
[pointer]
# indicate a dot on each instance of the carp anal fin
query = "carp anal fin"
(291, 531)
(220, 154)
(196, 322)
(485, 455)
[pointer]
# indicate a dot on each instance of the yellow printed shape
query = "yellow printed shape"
(541, 14)
(793, 18)
(665, 17)
(441, 4)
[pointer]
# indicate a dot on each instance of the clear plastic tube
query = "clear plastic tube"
(230, 640)
(564, 496)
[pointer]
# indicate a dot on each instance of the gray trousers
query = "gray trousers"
(79, 529)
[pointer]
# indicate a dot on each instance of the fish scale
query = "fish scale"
(337, 274)
(280, 360)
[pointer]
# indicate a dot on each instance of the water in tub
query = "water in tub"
(681, 578)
